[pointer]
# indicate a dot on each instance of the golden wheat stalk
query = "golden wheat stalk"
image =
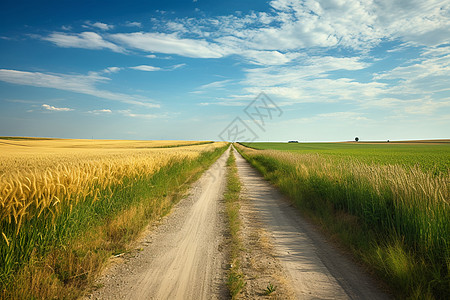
(44, 186)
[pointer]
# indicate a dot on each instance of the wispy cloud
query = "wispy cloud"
(224, 103)
(146, 68)
(129, 113)
(53, 108)
(215, 84)
(278, 37)
(169, 44)
(203, 89)
(112, 70)
(309, 80)
(84, 40)
(133, 24)
(174, 67)
(98, 25)
(100, 111)
(83, 84)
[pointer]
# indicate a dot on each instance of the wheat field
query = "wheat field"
(66, 206)
(39, 176)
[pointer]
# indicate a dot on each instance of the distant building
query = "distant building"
(292, 141)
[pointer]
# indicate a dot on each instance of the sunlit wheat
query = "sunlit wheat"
(39, 180)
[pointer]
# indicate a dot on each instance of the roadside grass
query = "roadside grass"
(270, 289)
(235, 275)
(396, 220)
(60, 257)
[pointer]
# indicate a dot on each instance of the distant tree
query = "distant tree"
(356, 139)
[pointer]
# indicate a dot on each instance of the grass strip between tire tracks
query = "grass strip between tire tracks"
(235, 276)
(412, 273)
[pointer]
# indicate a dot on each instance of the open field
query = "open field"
(429, 157)
(389, 204)
(33, 153)
(66, 205)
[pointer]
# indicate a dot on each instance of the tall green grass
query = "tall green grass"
(59, 256)
(396, 218)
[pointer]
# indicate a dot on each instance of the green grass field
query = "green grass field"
(433, 157)
(387, 203)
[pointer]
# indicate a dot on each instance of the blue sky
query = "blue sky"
(331, 70)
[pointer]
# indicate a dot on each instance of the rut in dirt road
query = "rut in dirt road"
(315, 269)
(181, 258)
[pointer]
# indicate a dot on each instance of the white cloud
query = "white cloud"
(277, 37)
(215, 84)
(224, 103)
(129, 113)
(112, 70)
(133, 24)
(231, 100)
(98, 25)
(307, 68)
(177, 27)
(49, 107)
(100, 111)
(85, 40)
(422, 77)
(433, 62)
(197, 92)
(268, 58)
(146, 68)
(414, 88)
(170, 44)
(83, 84)
(353, 23)
(174, 67)
(295, 25)
(345, 115)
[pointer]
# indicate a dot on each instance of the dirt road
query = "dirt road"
(314, 268)
(182, 257)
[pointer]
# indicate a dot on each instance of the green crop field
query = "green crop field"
(433, 157)
(387, 202)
